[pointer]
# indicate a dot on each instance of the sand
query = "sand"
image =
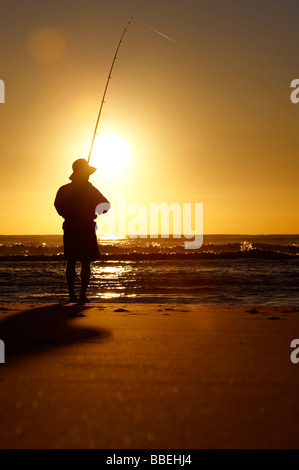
(148, 376)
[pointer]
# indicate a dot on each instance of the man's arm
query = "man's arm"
(57, 202)
(63, 203)
(103, 205)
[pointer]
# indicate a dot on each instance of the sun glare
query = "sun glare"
(110, 153)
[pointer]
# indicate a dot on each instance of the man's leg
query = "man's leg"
(85, 277)
(70, 277)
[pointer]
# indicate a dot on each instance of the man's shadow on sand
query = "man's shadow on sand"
(39, 329)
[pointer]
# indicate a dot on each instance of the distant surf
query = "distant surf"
(37, 247)
(227, 269)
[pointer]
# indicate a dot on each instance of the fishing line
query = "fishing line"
(170, 39)
(181, 45)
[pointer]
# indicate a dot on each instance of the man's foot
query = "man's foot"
(84, 300)
(74, 299)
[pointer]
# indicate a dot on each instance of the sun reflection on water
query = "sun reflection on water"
(109, 295)
(110, 281)
(110, 272)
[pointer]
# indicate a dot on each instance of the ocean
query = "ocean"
(227, 269)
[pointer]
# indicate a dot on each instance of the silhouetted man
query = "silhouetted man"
(76, 202)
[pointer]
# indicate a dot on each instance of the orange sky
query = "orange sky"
(221, 131)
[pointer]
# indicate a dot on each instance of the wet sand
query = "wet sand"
(113, 376)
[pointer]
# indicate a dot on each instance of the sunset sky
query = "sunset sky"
(211, 122)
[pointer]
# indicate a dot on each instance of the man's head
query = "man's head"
(81, 170)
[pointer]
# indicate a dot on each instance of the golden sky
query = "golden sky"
(210, 122)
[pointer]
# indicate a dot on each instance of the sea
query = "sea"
(227, 269)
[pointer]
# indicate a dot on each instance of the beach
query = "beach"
(148, 376)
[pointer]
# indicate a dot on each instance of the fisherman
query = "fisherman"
(77, 203)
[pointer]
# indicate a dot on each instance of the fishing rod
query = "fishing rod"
(107, 83)
(114, 59)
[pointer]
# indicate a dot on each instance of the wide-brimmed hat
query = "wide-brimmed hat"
(81, 167)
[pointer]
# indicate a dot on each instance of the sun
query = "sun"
(110, 153)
